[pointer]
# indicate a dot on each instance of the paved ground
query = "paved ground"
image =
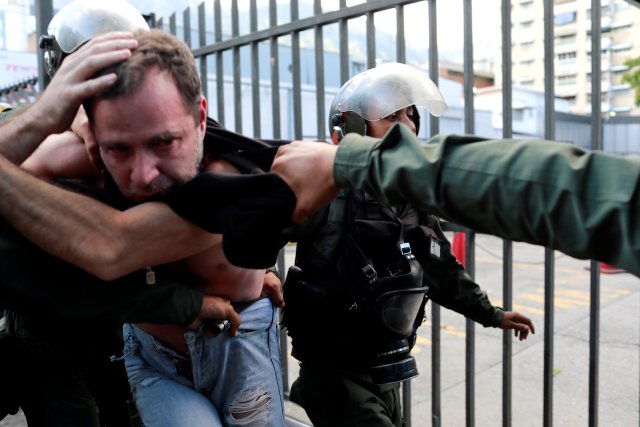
(619, 379)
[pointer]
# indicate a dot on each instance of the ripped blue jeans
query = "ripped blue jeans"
(222, 381)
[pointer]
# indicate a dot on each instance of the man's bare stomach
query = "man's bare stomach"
(245, 288)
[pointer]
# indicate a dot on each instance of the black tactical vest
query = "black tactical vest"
(363, 309)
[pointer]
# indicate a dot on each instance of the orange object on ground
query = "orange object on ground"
(610, 269)
(459, 247)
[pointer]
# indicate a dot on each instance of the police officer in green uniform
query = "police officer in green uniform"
(364, 271)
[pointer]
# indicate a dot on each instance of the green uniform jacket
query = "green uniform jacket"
(585, 204)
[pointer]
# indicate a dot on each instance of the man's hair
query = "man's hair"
(164, 52)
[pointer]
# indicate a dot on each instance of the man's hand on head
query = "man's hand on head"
(75, 80)
(307, 168)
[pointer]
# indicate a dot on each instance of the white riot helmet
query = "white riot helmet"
(376, 93)
(80, 20)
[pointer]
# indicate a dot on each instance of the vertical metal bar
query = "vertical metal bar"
(594, 343)
(401, 52)
(507, 352)
(160, 24)
(344, 46)
(434, 122)
(596, 144)
(275, 73)
(202, 41)
(434, 128)
(371, 40)
(255, 70)
(295, 75)
(237, 67)
(470, 337)
(217, 11)
(44, 13)
(548, 338)
(186, 30)
(470, 237)
(507, 246)
(549, 72)
(596, 78)
(549, 266)
(469, 80)
(401, 57)
(173, 28)
(319, 54)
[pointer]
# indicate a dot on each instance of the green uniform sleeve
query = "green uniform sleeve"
(451, 286)
(584, 204)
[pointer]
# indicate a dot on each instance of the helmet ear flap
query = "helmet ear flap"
(354, 123)
(346, 122)
(337, 127)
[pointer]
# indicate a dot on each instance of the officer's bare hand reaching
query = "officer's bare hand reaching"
(520, 324)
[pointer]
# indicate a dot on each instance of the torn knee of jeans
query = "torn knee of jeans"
(250, 407)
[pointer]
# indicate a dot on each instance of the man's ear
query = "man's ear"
(203, 115)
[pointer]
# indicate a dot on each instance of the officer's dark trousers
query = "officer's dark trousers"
(334, 400)
(66, 378)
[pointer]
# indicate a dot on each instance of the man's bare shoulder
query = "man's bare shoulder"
(220, 166)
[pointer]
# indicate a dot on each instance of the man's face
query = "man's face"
(378, 128)
(149, 141)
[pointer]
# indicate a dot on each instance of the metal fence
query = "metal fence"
(270, 69)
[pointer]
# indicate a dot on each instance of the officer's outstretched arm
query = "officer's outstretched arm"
(91, 235)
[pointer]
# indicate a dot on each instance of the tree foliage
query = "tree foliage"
(633, 77)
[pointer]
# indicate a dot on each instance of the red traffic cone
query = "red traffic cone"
(609, 269)
(459, 247)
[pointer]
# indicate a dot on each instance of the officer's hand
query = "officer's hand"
(217, 308)
(307, 168)
(520, 324)
(74, 81)
(272, 287)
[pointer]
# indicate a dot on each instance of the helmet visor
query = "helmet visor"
(381, 91)
(80, 20)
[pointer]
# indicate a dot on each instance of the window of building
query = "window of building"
(357, 67)
(619, 68)
(564, 18)
(566, 39)
(568, 79)
(621, 26)
(620, 87)
(526, 24)
(622, 48)
(567, 56)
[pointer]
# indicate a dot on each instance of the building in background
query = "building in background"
(620, 40)
(17, 42)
